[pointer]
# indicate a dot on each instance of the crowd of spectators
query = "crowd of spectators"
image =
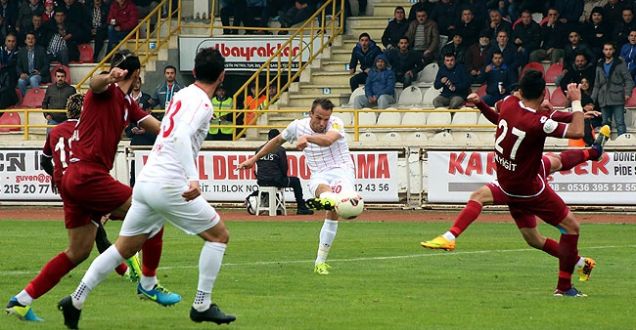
(490, 42)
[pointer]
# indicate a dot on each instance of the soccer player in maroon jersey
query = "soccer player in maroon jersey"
(89, 191)
(522, 172)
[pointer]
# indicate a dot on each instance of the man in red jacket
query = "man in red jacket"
(122, 18)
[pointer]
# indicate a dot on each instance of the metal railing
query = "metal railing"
(355, 127)
(144, 46)
(286, 65)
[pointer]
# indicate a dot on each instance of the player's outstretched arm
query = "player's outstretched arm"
(490, 113)
(100, 82)
(324, 140)
(270, 146)
(576, 128)
(150, 124)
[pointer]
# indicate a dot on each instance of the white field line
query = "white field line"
(308, 261)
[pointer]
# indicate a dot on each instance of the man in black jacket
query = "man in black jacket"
(405, 63)
(396, 28)
(32, 64)
(272, 171)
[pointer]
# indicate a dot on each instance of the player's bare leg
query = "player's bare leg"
(568, 254)
(469, 213)
(210, 260)
(327, 232)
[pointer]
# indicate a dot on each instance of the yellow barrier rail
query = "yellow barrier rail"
(354, 128)
(278, 69)
(145, 46)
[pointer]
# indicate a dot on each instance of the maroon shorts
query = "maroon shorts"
(547, 205)
(89, 192)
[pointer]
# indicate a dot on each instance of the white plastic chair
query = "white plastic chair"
(414, 118)
(276, 197)
(430, 94)
(389, 118)
(410, 96)
(415, 137)
(368, 137)
(466, 138)
(441, 118)
(464, 118)
(357, 92)
(626, 139)
(346, 117)
(391, 137)
(366, 118)
(428, 74)
(445, 138)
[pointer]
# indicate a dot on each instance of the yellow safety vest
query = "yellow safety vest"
(221, 108)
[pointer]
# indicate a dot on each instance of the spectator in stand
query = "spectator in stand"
(226, 10)
(527, 35)
(299, 12)
(144, 7)
(582, 68)
(553, 38)
(512, 58)
(613, 11)
(364, 53)
(32, 65)
(498, 78)
(256, 16)
(424, 36)
(77, 15)
(64, 37)
(98, 17)
(223, 115)
(9, 10)
(596, 32)
(405, 63)
(137, 135)
(612, 88)
(454, 82)
(626, 25)
(445, 15)
(122, 18)
(421, 4)
(256, 102)
(380, 86)
(468, 27)
(576, 46)
(477, 55)
(3, 28)
(55, 98)
(628, 53)
(456, 47)
(9, 52)
(49, 11)
(396, 29)
(26, 10)
(593, 118)
(570, 12)
(166, 90)
(497, 24)
(40, 31)
(8, 96)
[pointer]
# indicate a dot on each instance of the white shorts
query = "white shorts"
(339, 179)
(154, 203)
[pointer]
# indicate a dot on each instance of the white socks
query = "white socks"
(148, 282)
(209, 266)
(97, 272)
(24, 298)
(327, 235)
(449, 236)
(580, 263)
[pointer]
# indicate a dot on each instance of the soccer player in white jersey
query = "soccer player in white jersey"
(168, 190)
(322, 138)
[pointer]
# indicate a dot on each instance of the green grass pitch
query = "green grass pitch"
(381, 279)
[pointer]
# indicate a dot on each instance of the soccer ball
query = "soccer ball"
(349, 205)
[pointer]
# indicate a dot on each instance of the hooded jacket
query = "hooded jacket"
(628, 53)
(380, 82)
(574, 75)
(366, 60)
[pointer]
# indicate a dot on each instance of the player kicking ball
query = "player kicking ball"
(558, 162)
(522, 170)
(168, 190)
(321, 137)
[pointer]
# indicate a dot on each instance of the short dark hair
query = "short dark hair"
(125, 60)
(399, 8)
(324, 103)
(169, 66)
(60, 70)
(272, 133)
(208, 65)
(31, 33)
(449, 54)
(406, 38)
(496, 51)
(364, 34)
(74, 106)
(532, 84)
(421, 10)
(610, 43)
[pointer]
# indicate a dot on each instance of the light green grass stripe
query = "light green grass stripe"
(307, 261)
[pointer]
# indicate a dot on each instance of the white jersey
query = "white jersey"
(189, 106)
(319, 158)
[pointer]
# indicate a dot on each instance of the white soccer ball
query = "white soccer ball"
(349, 205)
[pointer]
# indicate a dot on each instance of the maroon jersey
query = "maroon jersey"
(104, 118)
(58, 146)
(521, 133)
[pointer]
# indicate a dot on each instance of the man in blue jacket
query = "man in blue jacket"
(379, 88)
(453, 79)
(498, 78)
(364, 52)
